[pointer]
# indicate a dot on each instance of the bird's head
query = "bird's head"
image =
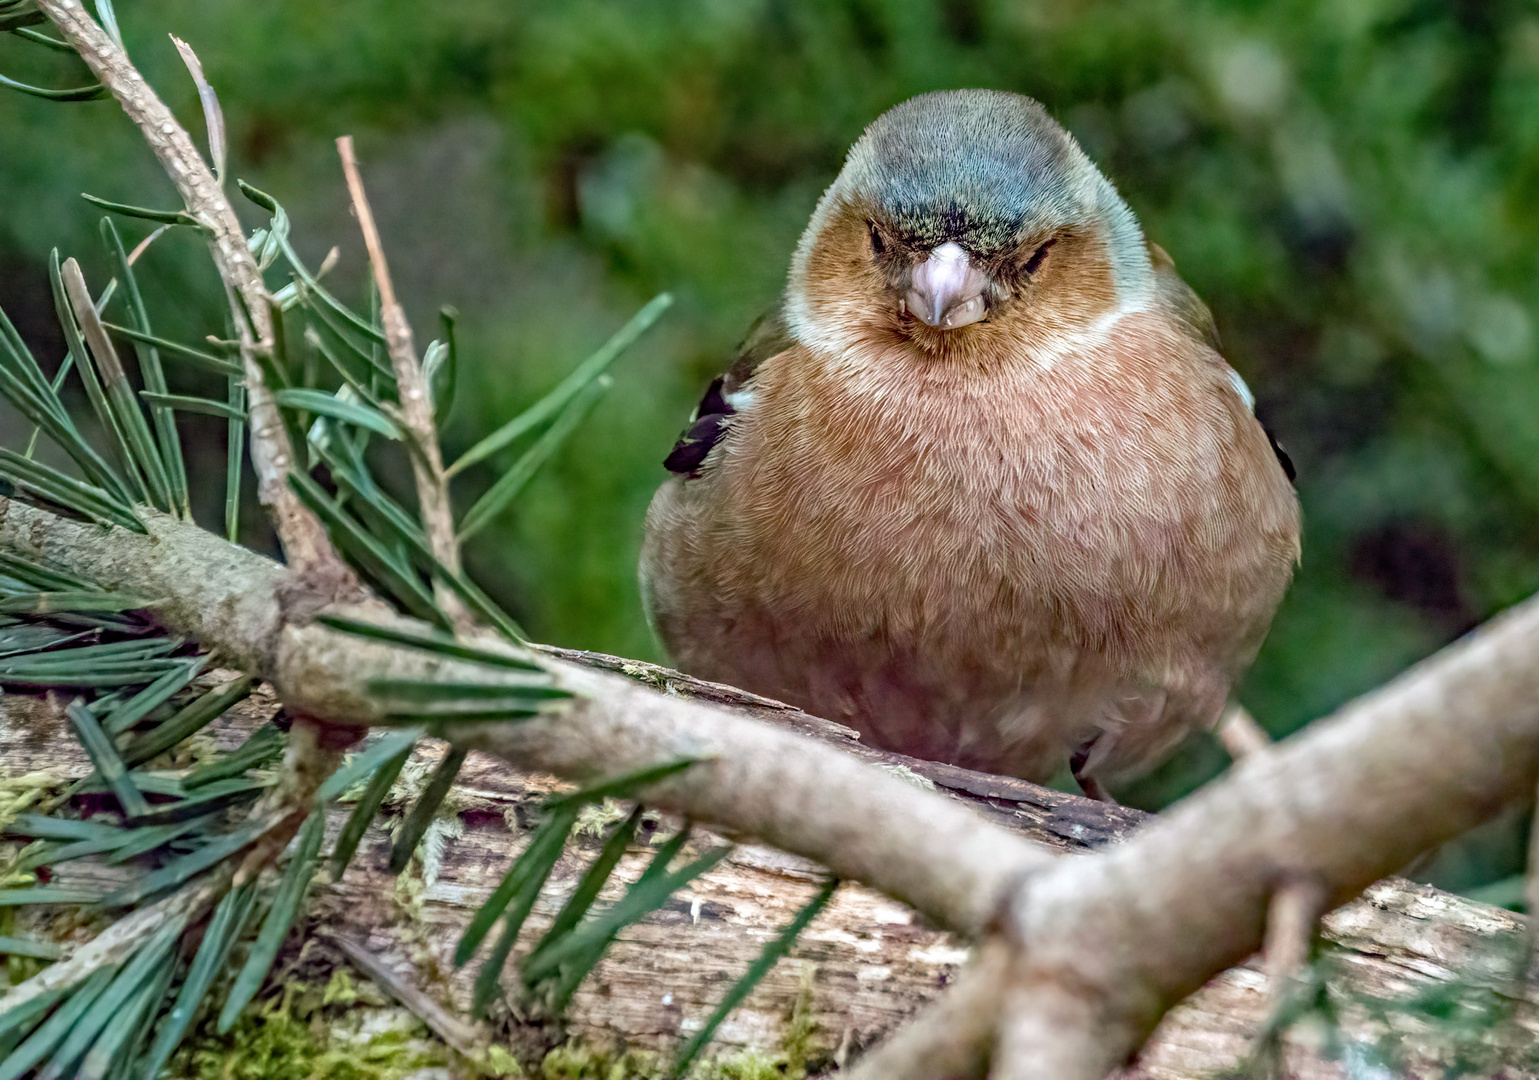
(970, 224)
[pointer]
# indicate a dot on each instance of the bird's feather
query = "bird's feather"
(727, 392)
(1175, 296)
(1057, 527)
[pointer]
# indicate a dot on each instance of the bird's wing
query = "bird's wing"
(1176, 297)
(766, 337)
(1178, 300)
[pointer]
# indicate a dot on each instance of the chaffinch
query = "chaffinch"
(980, 487)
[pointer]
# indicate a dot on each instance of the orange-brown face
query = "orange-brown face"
(951, 303)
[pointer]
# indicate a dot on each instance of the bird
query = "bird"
(980, 486)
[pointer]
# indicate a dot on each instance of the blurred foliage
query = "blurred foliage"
(1348, 183)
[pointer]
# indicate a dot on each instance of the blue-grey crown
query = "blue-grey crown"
(978, 167)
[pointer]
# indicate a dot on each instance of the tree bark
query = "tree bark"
(1080, 957)
(867, 963)
(1131, 929)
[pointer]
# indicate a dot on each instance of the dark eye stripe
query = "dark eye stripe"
(878, 245)
(1037, 257)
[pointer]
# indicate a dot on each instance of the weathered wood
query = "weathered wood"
(867, 962)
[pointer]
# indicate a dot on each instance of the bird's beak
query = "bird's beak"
(946, 289)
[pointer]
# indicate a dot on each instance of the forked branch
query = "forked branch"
(305, 543)
(1129, 930)
(415, 396)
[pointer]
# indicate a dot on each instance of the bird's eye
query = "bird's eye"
(878, 245)
(1036, 258)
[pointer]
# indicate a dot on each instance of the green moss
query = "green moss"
(19, 794)
(312, 1030)
(594, 821)
(743, 1065)
(799, 1053)
(799, 1043)
(499, 1062)
(574, 1062)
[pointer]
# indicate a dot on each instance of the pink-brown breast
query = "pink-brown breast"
(984, 563)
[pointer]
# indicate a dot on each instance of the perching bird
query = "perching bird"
(980, 487)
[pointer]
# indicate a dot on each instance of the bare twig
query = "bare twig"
(466, 1039)
(304, 541)
(775, 784)
(1293, 915)
(308, 759)
(1135, 926)
(416, 400)
(1531, 900)
(951, 1037)
(1292, 918)
(1049, 1028)
(119, 941)
(1240, 733)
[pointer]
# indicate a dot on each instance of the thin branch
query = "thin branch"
(951, 1036)
(308, 759)
(1531, 900)
(1292, 918)
(119, 941)
(1292, 921)
(304, 541)
(466, 1039)
(1049, 1028)
(1240, 733)
(756, 779)
(416, 401)
(1136, 926)
(1293, 915)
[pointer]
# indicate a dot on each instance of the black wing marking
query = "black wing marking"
(705, 430)
(768, 336)
(1282, 455)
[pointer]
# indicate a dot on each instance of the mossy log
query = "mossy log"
(1407, 977)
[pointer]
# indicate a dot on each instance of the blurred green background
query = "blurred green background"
(1350, 184)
